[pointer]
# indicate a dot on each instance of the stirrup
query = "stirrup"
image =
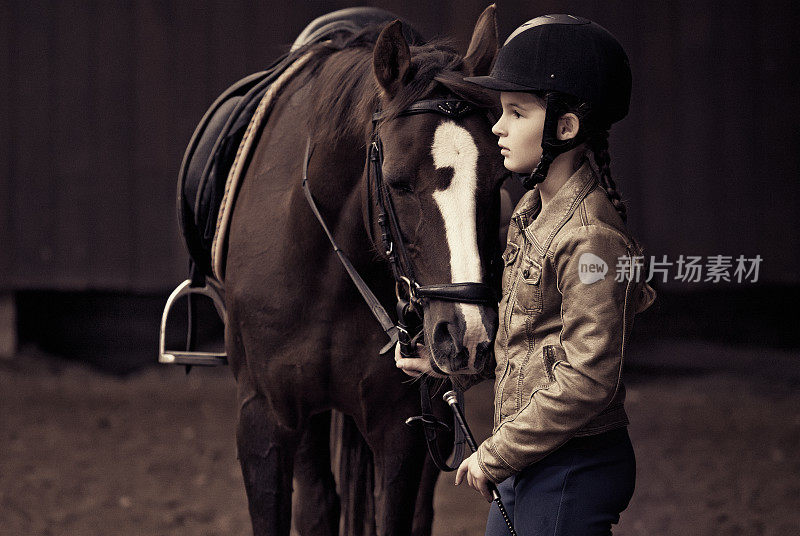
(185, 357)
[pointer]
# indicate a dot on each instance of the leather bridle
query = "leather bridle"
(410, 294)
(391, 238)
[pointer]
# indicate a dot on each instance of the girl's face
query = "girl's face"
(520, 130)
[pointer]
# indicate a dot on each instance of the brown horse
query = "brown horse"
(300, 339)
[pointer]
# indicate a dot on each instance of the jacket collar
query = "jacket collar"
(540, 226)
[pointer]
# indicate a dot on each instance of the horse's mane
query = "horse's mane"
(347, 92)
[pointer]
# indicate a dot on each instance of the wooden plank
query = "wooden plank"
(99, 99)
(772, 185)
(32, 192)
(158, 147)
(231, 50)
(733, 150)
(655, 114)
(621, 19)
(111, 226)
(8, 325)
(270, 33)
(71, 120)
(7, 78)
(193, 80)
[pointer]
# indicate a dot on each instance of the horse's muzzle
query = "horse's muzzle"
(461, 336)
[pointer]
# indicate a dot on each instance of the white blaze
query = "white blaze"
(454, 147)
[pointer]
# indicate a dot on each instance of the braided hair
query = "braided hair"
(598, 143)
(594, 131)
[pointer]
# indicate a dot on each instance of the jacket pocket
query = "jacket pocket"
(552, 354)
(536, 372)
(529, 291)
(509, 256)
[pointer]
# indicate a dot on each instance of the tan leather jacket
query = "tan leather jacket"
(570, 293)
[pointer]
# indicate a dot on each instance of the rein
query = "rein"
(410, 294)
(374, 304)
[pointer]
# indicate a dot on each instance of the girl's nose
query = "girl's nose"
(497, 128)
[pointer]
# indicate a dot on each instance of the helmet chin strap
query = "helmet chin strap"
(551, 145)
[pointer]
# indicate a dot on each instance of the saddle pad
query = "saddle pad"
(220, 242)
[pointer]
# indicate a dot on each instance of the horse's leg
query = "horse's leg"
(355, 474)
(398, 452)
(265, 450)
(266, 455)
(316, 504)
(399, 457)
(423, 512)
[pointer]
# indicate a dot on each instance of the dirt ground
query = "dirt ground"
(716, 431)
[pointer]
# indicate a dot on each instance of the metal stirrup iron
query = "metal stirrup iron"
(452, 400)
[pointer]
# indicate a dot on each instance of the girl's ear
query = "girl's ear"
(483, 45)
(391, 58)
(568, 126)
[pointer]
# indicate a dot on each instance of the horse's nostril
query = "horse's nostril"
(460, 360)
(482, 353)
(452, 354)
(442, 337)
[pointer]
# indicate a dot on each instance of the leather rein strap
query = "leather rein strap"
(374, 304)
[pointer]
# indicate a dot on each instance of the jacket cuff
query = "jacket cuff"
(492, 463)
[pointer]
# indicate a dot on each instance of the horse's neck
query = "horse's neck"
(345, 207)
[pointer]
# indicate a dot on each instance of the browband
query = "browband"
(455, 108)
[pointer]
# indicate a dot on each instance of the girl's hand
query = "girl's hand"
(414, 366)
(475, 477)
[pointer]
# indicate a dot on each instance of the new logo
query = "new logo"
(591, 268)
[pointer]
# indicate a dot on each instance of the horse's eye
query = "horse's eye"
(403, 187)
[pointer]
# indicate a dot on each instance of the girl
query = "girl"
(559, 451)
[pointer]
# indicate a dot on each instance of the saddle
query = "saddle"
(216, 158)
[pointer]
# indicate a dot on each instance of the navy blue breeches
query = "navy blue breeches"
(578, 490)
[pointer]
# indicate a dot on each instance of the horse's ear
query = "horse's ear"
(483, 46)
(391, 58)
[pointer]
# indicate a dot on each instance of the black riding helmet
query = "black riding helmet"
(569, 55)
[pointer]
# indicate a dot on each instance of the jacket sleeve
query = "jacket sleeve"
(596, 315)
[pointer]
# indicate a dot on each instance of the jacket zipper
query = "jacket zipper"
(506, 324)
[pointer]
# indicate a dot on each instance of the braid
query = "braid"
(598, 143)
(595, 131)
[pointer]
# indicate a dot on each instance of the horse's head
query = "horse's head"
(442, 173)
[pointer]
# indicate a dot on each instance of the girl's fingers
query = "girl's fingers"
(483, 487)
(460, 472)
(486, 493)
(413, 365)
(406, 367)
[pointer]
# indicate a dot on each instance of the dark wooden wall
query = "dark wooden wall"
(98, 99)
